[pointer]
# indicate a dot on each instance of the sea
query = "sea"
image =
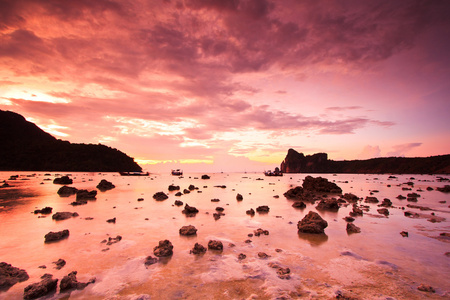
(377, 263)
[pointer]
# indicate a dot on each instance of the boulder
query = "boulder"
(188, 230)
(215, 245)
(60, 263)
(179, 194)
(312, 223)
(371, 200)
(10, 275)
(164, 249)
(66, 191)
(105, 185)
(383, 211)
(320, 185)
(160, 196)
(328, 204)
(242, 256)
(239, 197)
(299, 204)
(113, 240)
(174, 187)
(189, 211)
(294, 193)
(113, 220)
(178, 203)
(40, 289)
(198, 249)
(59, 216)
(263, 255)
(263, 209)
(86, 195)
(205, 177)
(386, 203)
(45, 211)
(149, 260)
(260, 231)
(191, 187)
(63, 180)
(70, 282)
(352, 228)
(186, 191)
(445, 189)
(250, 212)
(215, 200)
(350, 197)
(56, 236)
(426, 288)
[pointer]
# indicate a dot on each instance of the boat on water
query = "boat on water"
(134, 173)
(276, 172)
(177, 172)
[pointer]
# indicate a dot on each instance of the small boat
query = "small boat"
(277, 172)
(134, 173)
(177, 172)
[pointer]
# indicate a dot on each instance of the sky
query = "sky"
(231, 85)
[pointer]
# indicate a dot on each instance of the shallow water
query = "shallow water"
(375, 264)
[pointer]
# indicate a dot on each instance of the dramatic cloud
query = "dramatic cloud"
(403, 149)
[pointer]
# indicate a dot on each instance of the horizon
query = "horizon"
(230, 86)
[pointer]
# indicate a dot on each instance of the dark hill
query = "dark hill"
(26, 147)
(319, 163)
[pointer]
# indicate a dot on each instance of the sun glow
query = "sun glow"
(33, 96)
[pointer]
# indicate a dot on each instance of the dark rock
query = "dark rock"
(189, 211)
(220, 209)
(113, 220)
(320, 185)
(60, 263)
(105, 185)
(160, 196)
(221, 186)
(198, 249)
(260, 231)
(404, 234)
(178, 203)
(186, 191)
(239, 197)
(215, 200)
(263, 209)
(86, 195)
(10, 275)
(114, 240)
(430, 188)
(66, 191)
(294, 193)
(383, 211)
(426, 288)
(45, 211)
(242, 256)
(164, 249)
(411, 199)
(191, 187)
(70, 282)
(56, 236)
(59, 216)
(40, 289)
(352, 228)
(413, 195)
(150, 260)
(215, 245)
(371, 200)
(250, 212)
(205, 177)
(386, 203)
(356, 211)
(349, 219)
(179, 194)
(188, 230)
(401, 197)
(63, 180)
(140, 199)
(174, 187)
(445, 189)
(217, 216)
(328, 204)
(283, 273)
(263, 255)
(312, 223)
(350, 197)
(299, 204)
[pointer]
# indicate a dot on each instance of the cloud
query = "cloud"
(343, 108)
(370, 152)
(403, 149)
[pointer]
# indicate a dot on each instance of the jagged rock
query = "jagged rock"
(413, 195)
(66, 191)
(352, 228)
(426, 288)
(445, 189)
(105, 185)
(217, 216)
(312, 223)
(42, 288)
(383, 211)
(242, 256)
(191, 187)
(262, 209)
(356, 211)
(178, 203)
(320, 185)
(299, 204)
(350, 197)
(45, 211)
(10, 275)
(86, 195)
(160, 196)
(239, 197)
(179, 194)
(215, 245)
(60, 263)
(188, 230)
(294, 193)
(56, 236)
(205, 177)
(113, 220)
(401, 197)
(189, 211)
(260, 231)
(70, 282)
(328, 204)
(63, 180)
(164, 249)
(186, 191)
(198, 249)
(386, 203)
(250, 212)
(371, 200)
(174, 187)
(149, 260)
(59, 216)
(114, 240)
(404, 234)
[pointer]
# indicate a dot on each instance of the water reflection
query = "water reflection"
(314, 240)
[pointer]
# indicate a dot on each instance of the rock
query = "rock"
(186, 191)
(263, 255)
(205, 177)
(426, 288)
(70, 282)
(328, 204)
(191, 187)
(356, 211)
(349, 219)
(114, 240)
(113, 220)
(239, 197)
(250, 212)
(63, 180)
(140, 199)
(66, 191)
(404, 234)
(164, 249)
(105, 185)
(10, 275)
(386, 203)
(40, 289)
(260, 231)
(59, 216)
(179, 194)
(198, 249)
(320, 185)
(188, 230)
(45, 211)
(174, 187)
(178, 203)
(220, 209)
(217, 216)
(263, 209)
(283, 273)
(215, 245)
(352, 228)
(312, 223)
(242, 256)
(295, 193)
(60, 263)
(149, 260)
(56, 236)
(215, 200)
(371, 200)
(299, 204)
(445, 189)
(383, 211)
(430, 188)
(160, 196)
(350, 197)
(221, 186)
(401, 197)
(189, 211)
(86, 195)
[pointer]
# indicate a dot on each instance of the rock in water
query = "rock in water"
(320, 185)
(45, 211)
(263, 209)
(312, 223)
(56, 236)
(215, 245)
(189, 211)
(59, 216)
(105, 185)
(188, 230)
(63, 180)
(164, 249)
(66, 191)
(352, 228)
(70, 282)
(10, 275)
(239, 197)
(160, 196)
(328, 204)
(86, 195)
(150, 260)
(39, 289)
(198, 249)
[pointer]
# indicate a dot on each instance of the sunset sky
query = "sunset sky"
(231, 85)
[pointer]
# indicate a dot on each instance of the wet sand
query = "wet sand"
(377, 263)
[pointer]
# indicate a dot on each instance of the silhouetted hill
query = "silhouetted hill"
(319, 163)
(26, 147)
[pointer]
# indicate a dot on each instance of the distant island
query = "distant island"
(26, 147)
(296, 162)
